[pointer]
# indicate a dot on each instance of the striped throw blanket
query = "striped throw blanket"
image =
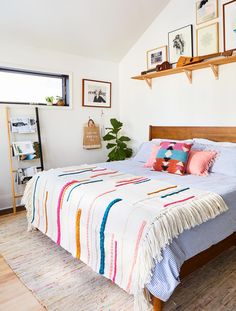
(116, 223)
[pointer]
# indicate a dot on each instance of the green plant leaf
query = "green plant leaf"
(112, 155)
(121, 155)
(124, 138)
(121, 144)
(109, 146)
(128, 152)
(116, 124)
(108, 137)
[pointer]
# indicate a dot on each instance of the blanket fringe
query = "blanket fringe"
(164, 229)
(142, 301)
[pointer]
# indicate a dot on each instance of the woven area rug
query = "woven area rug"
(61, 282)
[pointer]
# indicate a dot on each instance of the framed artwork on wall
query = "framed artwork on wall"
(180, 43)
(156, 57)
(229, 25)
(208, 39)
(96, 93)
(206, 10)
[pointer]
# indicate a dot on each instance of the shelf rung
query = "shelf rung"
(18, 196)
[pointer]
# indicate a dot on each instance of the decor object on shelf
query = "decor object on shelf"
(185, 61)
(229, 24)
(23, 125)
(117, 143)
(156, 57)
(96, 93)
(22, 148)
(164, 66)
(49, 100)
(208, 39)
(180, 43)
(60, 101)
(92, 138)
(206, 10)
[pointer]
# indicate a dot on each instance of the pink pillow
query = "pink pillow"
(200, 161)
(152, 158)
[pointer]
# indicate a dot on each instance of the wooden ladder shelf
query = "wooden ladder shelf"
(213, 64)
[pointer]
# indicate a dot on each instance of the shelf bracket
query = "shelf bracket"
(215, 69)
(149, 82)
(189, 75)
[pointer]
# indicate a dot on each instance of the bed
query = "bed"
(187, 252)
(215, 134)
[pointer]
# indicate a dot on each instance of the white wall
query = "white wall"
(172, 100)
(61, 130)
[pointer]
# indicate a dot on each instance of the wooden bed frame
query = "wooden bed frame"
(186, 132)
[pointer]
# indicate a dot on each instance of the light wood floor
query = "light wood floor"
(13, 294)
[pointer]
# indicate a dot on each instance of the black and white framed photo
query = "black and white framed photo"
(229, 24)
(180, 43)
(96, 93)
(206, 10)
(156, 57)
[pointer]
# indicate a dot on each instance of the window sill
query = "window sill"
(50, 107)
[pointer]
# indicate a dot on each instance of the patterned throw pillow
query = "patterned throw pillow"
(172, 157)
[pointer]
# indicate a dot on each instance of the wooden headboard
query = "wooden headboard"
(185, 132)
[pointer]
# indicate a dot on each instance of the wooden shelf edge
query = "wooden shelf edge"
(213, 64)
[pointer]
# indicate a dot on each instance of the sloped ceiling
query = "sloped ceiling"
(103, 29)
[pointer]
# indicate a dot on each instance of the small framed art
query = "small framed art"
(229, 25)
(156, 57)
(206, 10)
(208, 39)
(96, 93)
(180, 43)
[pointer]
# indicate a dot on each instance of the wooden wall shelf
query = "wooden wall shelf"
(213, 64)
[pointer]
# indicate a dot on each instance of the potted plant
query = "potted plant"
(49, 100)
(117, 143)
(60, 101)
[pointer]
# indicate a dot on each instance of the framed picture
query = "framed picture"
(206, 10)
(208, 39)
(180, 43)
(156, 57)
(229, 21)
(96, 93)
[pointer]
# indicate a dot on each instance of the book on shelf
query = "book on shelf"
(23, 125)
(25, 174)
(21, 148)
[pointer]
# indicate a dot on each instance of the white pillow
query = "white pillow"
(214, 143)
(144, 152)
(159, 140)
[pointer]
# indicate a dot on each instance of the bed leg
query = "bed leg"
(157, 304)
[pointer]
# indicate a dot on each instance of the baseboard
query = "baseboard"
(9, 210)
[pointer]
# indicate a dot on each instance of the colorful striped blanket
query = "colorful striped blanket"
(116, 223)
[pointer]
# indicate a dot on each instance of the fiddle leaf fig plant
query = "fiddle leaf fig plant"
(117, 142)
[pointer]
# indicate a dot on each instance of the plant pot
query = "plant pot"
(60, 102)
(49, 104)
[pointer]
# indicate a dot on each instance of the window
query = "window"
(28, 87)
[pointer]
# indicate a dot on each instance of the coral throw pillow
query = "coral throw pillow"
(172, 157)
(152, 158)
(200, 161)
